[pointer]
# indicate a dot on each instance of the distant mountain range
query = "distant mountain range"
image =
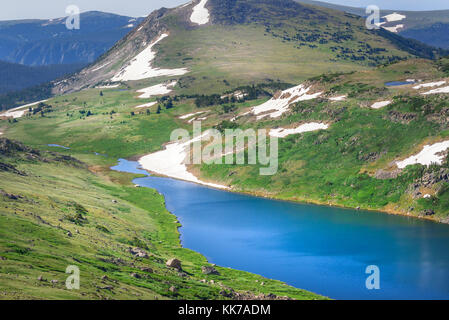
(429, 27)
(16, 76)
(33, 52)
(49, 42)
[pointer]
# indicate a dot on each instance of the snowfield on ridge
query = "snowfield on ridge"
(282, 101)
(141, 66)
(156, 90)
(306, 127)
(200, 14)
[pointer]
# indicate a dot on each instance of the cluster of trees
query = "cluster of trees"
(246, 93)
(167, 102)
(18, 98)
(41, 109)
(87, 113)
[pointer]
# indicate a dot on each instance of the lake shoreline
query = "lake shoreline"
(189, 231)
(304, 201)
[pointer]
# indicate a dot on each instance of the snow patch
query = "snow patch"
(430, 154)
(108, 86)
(19, 111)
(436, 91)
(100, 67)
(307, 127)
(189, 115)
(140, 67)
(340, 98)
(281, 102)
(146, 105)
(429, 85)
(171, 162)
(159, 89)
(381, 104)
(200, 14)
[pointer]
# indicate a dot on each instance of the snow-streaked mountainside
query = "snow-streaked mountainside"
(246, 40)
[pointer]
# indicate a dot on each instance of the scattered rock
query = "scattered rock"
(104, 278)
(10, 195)
(209, 270)
(173, 289)
(137, 252)
(387, 175)
(147, 270)
(41, 278)
(54, 281)
(174, 263)
(114, 201)
(2, 258)
(428, 212)
(399, 117)
(135, 275)
(69, 234)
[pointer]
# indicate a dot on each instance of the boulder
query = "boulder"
(173, 289)
(139, 253)
(428, 212)
(174, 263)
(209, 270)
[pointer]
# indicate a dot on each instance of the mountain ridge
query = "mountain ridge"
(284, 20)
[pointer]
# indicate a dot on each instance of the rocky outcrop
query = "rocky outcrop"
(138, 253)
(429, 179)
(386, 175)
(175, 264)
(209, 270)
(399, 117)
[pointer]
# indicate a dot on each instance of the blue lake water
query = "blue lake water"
(398, 83)
(322, 249)
(57, 146)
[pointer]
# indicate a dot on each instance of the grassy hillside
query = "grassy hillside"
(337, 166)
(57, 211)
(341, 166)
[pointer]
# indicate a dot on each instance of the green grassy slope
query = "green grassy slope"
(338, 166)
(54, 212)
